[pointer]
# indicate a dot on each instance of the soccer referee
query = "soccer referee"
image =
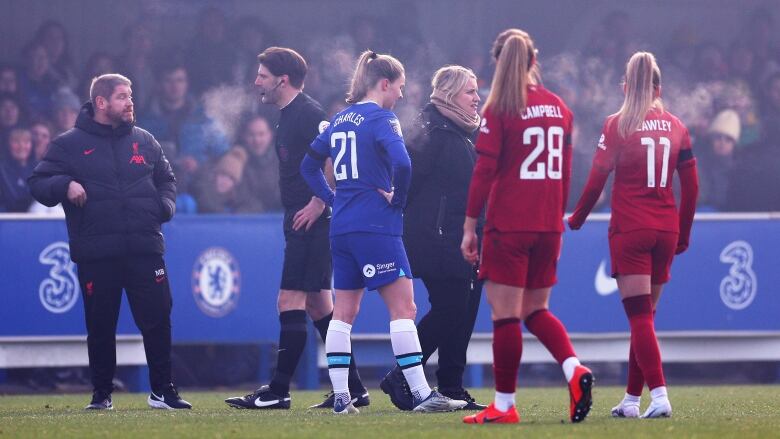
(306, 275)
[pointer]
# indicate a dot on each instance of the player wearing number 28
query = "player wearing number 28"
(523, 171)
(373, 172)
(644, 144)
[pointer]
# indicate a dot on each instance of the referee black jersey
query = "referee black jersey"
(298, 126)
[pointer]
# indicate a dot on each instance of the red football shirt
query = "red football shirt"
(644, 164)
(524, 166)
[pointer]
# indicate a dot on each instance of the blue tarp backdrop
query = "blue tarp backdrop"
(225, 272)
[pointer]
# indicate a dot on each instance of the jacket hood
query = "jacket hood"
(86, 121)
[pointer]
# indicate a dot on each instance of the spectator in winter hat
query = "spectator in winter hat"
(65, 109)
(717, 159)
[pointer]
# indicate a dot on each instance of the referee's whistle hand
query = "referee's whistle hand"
(306, 217)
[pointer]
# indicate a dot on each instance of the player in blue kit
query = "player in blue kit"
(373, 172)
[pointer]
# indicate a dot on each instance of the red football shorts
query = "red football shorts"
(643, 252)
(520, 259)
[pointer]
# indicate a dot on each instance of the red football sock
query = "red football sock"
(636, 381)
(644, 343)
(551, 333)
(507, 350)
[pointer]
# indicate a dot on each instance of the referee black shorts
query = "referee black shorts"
(307, 264)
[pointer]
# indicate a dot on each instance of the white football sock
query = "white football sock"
(631, 399)
(504, 401)
(659, 393)
(568, 367)
(338, 347)
(408, 354)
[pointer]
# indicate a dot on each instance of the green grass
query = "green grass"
(723, 412)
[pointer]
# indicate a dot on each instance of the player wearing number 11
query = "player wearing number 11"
(643, 144)
(522, 171)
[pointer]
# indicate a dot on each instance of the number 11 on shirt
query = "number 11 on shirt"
(650, 143)
(340, 140)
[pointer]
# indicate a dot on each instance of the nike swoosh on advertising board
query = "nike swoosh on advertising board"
(604, 283)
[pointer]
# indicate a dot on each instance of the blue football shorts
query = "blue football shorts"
(367, 260)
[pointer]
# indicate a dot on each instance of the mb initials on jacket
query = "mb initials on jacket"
(137, 158)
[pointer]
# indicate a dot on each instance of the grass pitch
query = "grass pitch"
(723, 412)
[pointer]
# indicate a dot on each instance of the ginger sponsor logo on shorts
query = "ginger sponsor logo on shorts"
(385, 268)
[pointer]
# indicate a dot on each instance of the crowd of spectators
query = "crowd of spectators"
(198, 100)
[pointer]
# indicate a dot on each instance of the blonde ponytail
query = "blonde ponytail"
(643, 78)
(515, 58)
(370, 68)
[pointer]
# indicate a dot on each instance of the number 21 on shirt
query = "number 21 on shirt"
(340, 140)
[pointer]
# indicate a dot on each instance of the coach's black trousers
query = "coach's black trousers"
(145, 279)
(448, 326)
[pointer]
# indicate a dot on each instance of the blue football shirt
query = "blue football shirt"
(365, 143)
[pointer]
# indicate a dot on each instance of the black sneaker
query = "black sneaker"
(262, 398)
(100, 401)
(359, 399)
(463, 395)
(168, 399)
(395, 386)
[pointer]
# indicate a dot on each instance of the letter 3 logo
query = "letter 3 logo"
(60, 291)
(738, 289)
(369, 270)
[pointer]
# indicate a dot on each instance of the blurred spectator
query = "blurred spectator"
(250, 37)
(37, 83)
(219, 191)
(9, 83)
(210, 56)
(98, 64)
(65, 107)
(709, 63)
(612, 42)
(756, 176)
(770, 108)
(261, 174)
(14, 193)
(334, 105)
(52, 36)
(136, 61)
(716, 157)
(10, 117)
(41, 137)
(174, 117)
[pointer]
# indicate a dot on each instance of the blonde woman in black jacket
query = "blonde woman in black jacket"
(443, 156)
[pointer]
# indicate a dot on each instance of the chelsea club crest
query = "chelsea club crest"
(216, 282)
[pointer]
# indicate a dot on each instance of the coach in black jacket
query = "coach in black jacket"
(443, 156)
(117, 188)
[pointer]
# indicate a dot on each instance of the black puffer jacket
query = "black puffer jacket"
(129, 183)
(443, 158)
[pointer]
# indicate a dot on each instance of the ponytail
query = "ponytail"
(371, 67)
(515, 60)
(643, 77)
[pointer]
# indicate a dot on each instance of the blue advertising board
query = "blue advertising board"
(225, 273)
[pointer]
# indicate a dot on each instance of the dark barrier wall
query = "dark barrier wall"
(225, 275)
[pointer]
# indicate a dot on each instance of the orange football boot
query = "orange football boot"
(492, 415)
(580, 399)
